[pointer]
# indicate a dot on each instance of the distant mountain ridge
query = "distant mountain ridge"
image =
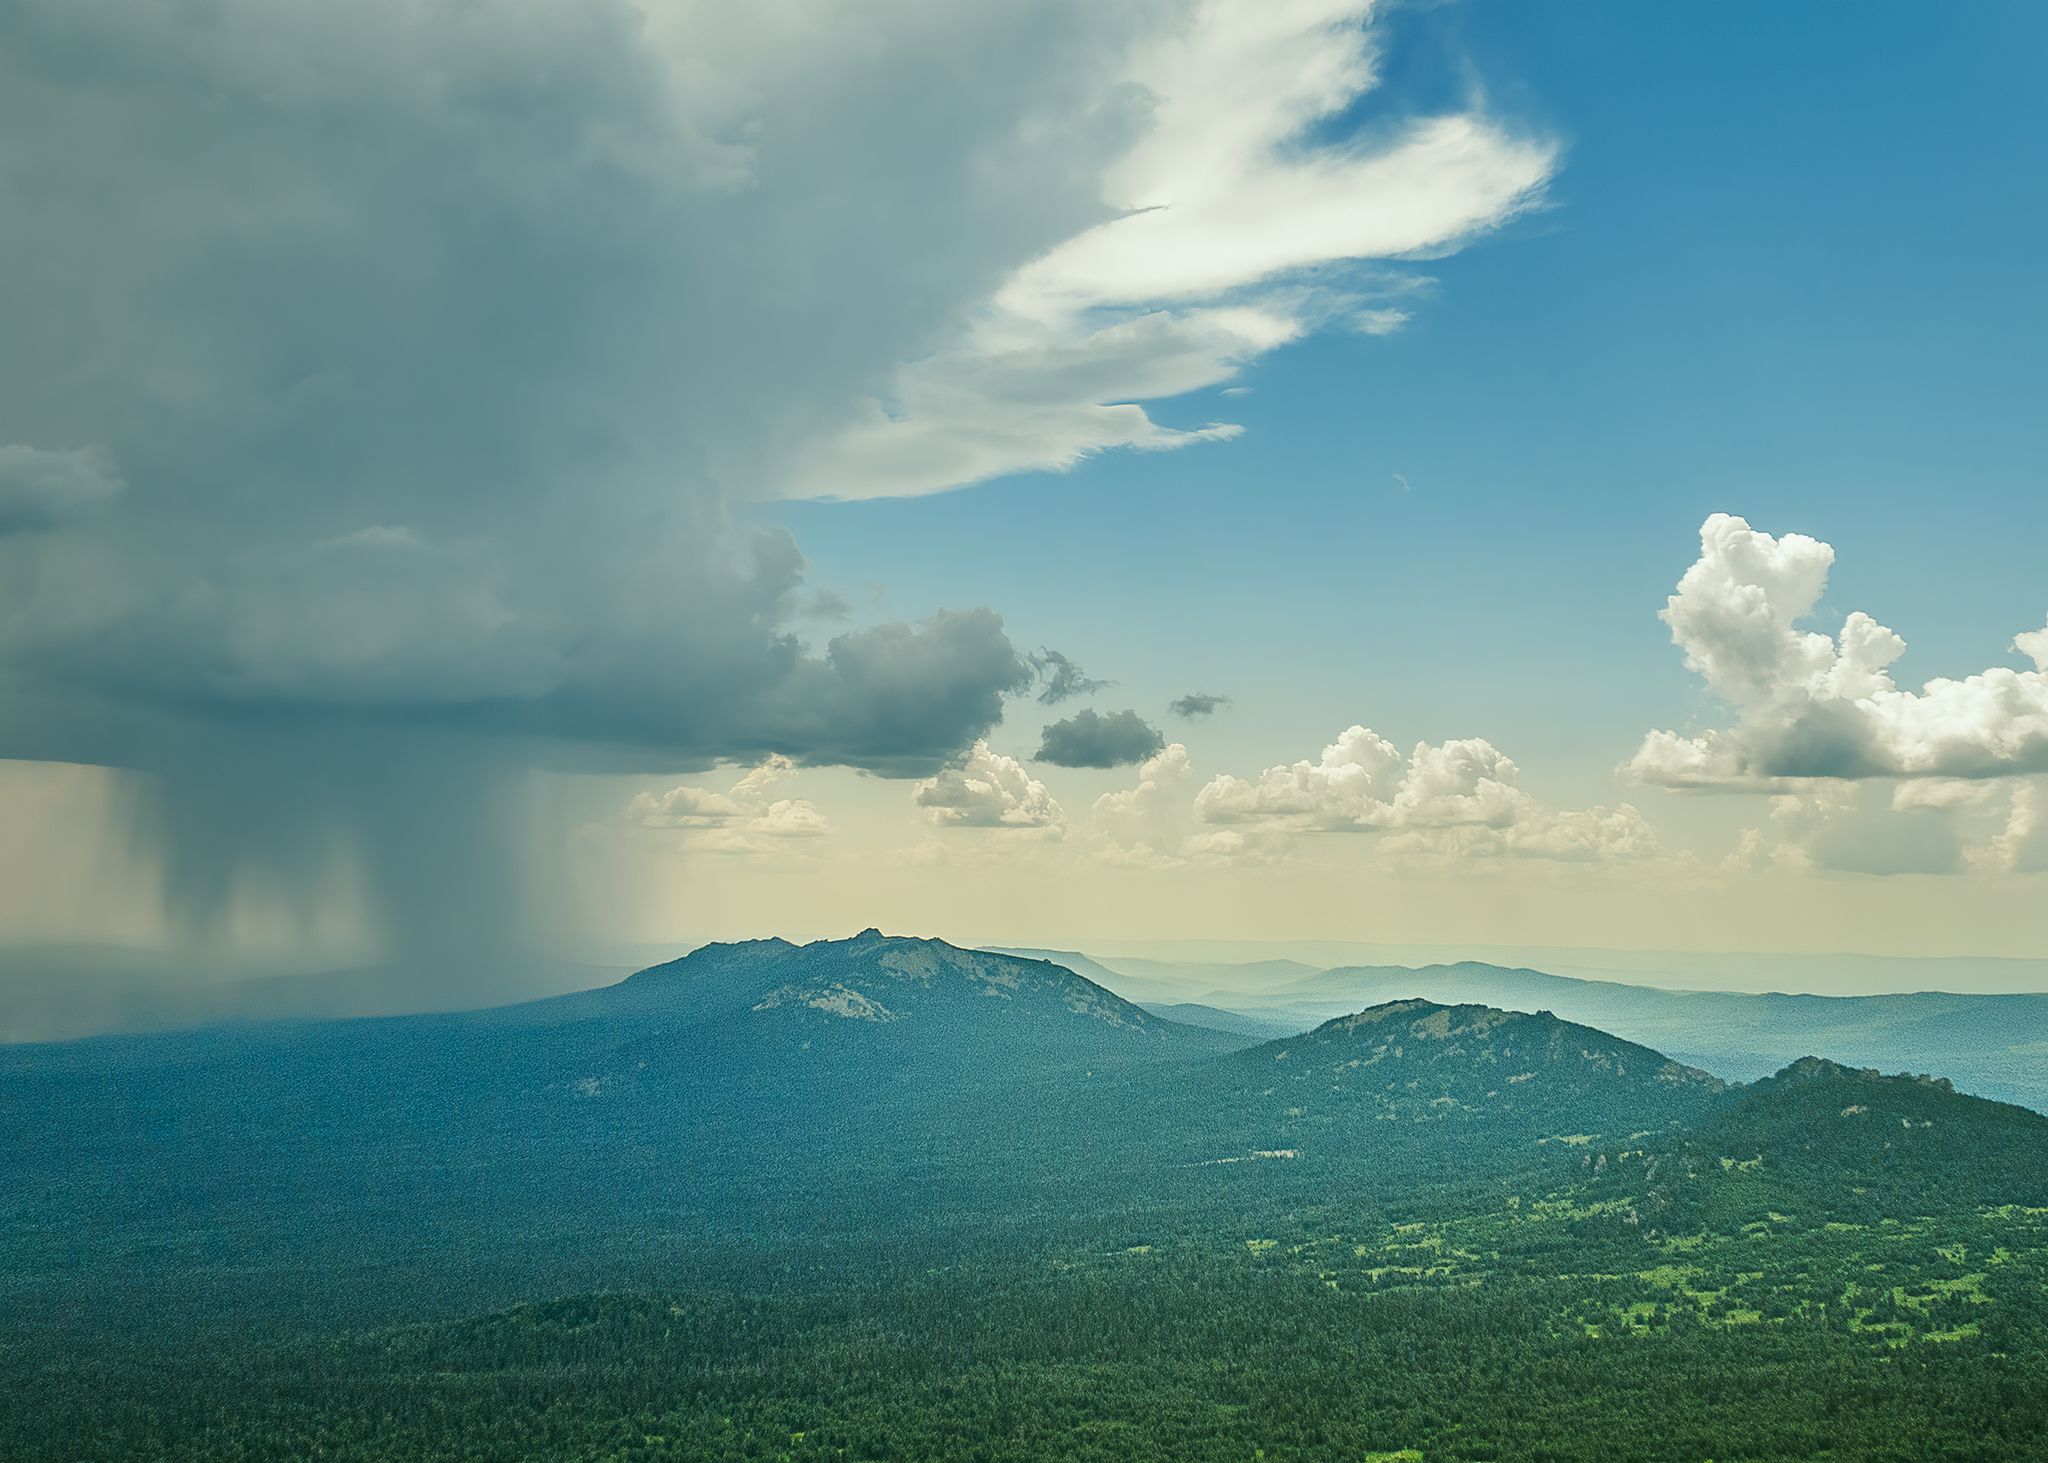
(770, 1086)
(1995, 1045)
(1489, 1052)
(895, 1112)
(1418, 1075)
(925, 989)
(1158, 982)
(1819, 1138)
(1237, 1023)
(1992, 1045)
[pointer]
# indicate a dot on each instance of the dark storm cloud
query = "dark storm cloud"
(387, 393)
(1198, 703)
(1120, 739)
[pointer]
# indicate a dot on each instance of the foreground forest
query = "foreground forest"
(1544, 1330)
(712, 1215)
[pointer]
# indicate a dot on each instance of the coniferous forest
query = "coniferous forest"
(679, 1219)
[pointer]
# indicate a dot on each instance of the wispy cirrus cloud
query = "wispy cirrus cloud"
(1235, 227)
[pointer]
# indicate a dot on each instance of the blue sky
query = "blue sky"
(1789, 268)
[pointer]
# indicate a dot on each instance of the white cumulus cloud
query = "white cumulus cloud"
(1152, 824)
(1811, 705)
(1459, 797)
(988, 790)
(746, 818)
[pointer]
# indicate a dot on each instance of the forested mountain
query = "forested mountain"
(1237, 1023)
(1834, 1143)
(752, 1083)
(883, 1198)
(1992, 1045)
(1416, 1060)
(885, 993)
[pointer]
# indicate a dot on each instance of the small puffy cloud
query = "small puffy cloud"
(1457, 798)
(43, 488)
(1340, 790)
(1088, 739)
(747, 818)
(1063, 680)
(895, 698)
(1197, 703)
(1153, 824)
(2033, 644)
(1810, 705)
(1581, 835)
(783, 818)
(987, 790)
(683, 807)
(1464, 783)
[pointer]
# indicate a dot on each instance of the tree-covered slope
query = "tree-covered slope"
(884, 1198)
(1823, 1142)
(1993, 1045)
(895, 990)
(1376, 1077)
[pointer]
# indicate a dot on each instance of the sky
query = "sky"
(1464, 473)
